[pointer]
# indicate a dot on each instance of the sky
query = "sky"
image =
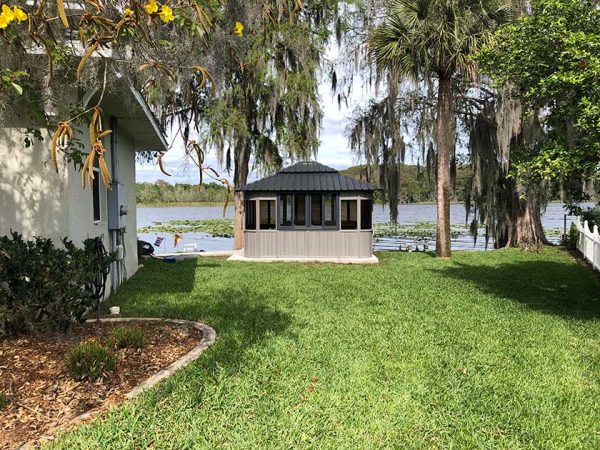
(334, 150)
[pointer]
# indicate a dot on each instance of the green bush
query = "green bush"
(3, 400)
(570, 240)
(592, 215)
(90, 360)
(127, 337)
(43, 287)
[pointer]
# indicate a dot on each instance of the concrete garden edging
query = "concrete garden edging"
(209, 337)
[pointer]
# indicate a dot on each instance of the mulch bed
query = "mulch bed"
(42, 396)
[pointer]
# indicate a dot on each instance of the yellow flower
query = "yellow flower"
(166, 14)
(3, 22)
(151, 7)
(238, 29)
(19, 14)
(128, 12)
(7, 13)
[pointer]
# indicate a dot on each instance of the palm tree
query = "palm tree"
(436, 38)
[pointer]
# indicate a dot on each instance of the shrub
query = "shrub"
(90, 360)
(127, 337)
(43, 287)
(592, 215)
(570, 240)
(3, 400)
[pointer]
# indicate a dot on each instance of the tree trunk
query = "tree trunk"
(523, 225)
(445, 141)
(525, 228)
(238, 220)
(240, 178)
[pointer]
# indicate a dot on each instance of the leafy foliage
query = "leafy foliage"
(126, 337)
(90, 361)
(424, 37)
(266, 103)
(592, 215)
(153, 47)
(551, 58)
(570, 240)
(44, 287)
(3, 400)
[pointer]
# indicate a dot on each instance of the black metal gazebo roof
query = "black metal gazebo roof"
(308, 176)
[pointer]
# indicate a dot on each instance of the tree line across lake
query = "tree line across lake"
(416, 186)
(161, 192)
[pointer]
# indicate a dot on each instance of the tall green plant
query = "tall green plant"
(436, 39)
(551, 59)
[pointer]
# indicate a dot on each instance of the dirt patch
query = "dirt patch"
(40, 394)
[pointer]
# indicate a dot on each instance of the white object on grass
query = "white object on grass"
(189, 247)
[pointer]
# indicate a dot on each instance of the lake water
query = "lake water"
(407, 214)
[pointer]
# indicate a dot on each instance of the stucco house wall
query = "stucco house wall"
(33, 198)
(37, 201)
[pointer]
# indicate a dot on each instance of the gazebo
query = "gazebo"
(308, 212)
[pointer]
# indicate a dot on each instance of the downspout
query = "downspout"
(114, 234)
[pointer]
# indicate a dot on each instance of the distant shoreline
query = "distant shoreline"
(178, 204)
(220, 204)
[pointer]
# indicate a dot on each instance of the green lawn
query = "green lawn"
(489, 350)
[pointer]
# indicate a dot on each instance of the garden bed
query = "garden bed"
(40, 393)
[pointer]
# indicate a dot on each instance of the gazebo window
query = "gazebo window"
(285, 210)
(348, 215)
(267, 214)
(366, 211)
(307, 211)
(329, 210)
(250, 214)
(316, 210)
(299, 210)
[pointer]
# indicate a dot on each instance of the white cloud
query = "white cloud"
(182, 170)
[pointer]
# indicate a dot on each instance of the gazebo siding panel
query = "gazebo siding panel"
(308, 244)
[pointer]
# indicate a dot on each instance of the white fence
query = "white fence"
(589, 243)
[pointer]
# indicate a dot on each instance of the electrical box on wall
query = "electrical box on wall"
(117, 210)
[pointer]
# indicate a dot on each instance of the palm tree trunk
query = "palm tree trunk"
(445, 140)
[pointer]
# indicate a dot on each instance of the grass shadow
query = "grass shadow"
(159, 277)
(242, 317)
(244, 323)
(549, 286)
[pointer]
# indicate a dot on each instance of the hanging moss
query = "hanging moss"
(496, 133)
(379, 132)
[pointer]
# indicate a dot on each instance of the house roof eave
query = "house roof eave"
(162, 140)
